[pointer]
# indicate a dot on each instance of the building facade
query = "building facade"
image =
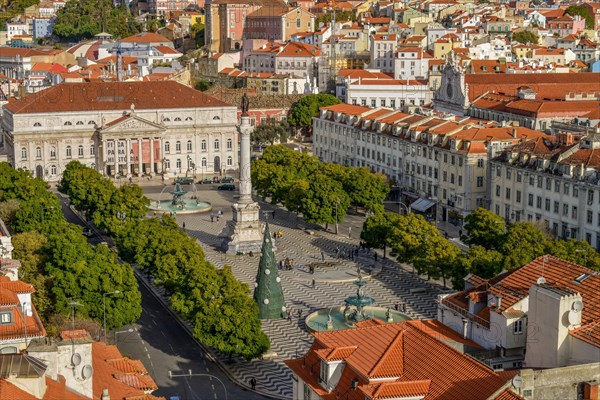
(121, 129)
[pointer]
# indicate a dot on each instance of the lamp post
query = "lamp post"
(130, 330)
(104, 306)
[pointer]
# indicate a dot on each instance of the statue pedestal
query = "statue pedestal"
(243, 234)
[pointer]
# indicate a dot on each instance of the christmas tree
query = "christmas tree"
(268, 293)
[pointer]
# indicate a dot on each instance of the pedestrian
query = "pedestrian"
(220, 212)
(375, 256)
(322, 256)
(396, 306)
(460, 233)
(273, 214)
(274, 235)
(289, 315)
(218, 217)
(349, 231)
(356, 252)
(212, 218)
(299, 314)
(183, 226)
(445, 235)
(253, 383)
(280, 264)
(311, 269)
(314, 284)
(403, 307)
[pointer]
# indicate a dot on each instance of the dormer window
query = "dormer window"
(37, 124)
(177, 119)
(68, 123)
(324, 373)
(79, 123)
(5, 317)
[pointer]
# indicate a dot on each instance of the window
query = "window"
(565, 209)
(68, 123)
(203, 162)
(229, 161)
(498, 172)
(177, 119)
(575, 192)
(548, 184)
(203, 145)
(68, 151)
(38, 152)
(229, 144)
(373, 103)
(497, 190)
(538, 202)
(530, 200)
(178, 146)
(216, 144)
(519, 176)
(80, 151)
(556, 207)
(557, 186)
(23, 153)
(518, 327)
(508, 173)
(547, 207)
(460, 179)
(189, 146)
(53, 170)
(480, 163)
(37, 124)
(539, 181)
(167, 147)
(5, 318)
(507, 193)
(324, 372)
(79, 123)
(518, 196)
(566, 188)
(574, 212)
(92, 150)
(178, 163)
(590, 217)
(52, 152)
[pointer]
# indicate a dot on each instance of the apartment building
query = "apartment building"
(382, 48)
(443, 161)
(555, 180)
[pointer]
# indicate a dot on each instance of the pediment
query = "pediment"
(132, 123)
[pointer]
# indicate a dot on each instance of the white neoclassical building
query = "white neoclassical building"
(121, 129)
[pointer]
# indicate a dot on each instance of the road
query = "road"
(162, 346)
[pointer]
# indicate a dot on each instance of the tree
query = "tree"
(270, 133)
(306, 108)
(583, 12)
(523, 243)
(366, 189)
(577, 251)
(325, 202)
(377, 230)
(202, 85)
(525, 37)
(484, 228)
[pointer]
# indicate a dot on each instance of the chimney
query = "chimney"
(105, 395)
(499, 303)
(569, 140)
(465, 328)
(514, 132)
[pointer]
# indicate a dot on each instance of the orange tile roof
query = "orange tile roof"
(166, 50)
(146, 37)
(507, 394)
(408, 354)
(8, 391)
(73, 97)
(8, 298)
(57, 390)
(297, 49)
(16, 286)
(348, 109)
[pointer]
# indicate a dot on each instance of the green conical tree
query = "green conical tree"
(268, 293)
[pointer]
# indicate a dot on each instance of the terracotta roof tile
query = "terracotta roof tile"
(507, 394)
(8, 391)
(73, 97)
(390, 390)
(146, 37)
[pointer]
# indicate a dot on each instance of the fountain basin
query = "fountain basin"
(317, 321)
(189, 206)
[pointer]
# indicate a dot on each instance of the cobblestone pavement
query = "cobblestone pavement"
(304, 244)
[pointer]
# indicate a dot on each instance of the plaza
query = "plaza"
(304, 244)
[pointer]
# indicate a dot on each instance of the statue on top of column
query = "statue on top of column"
(245, 105)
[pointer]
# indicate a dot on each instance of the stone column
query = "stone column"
(140, 158)
(116, 155)
(128, 155)
(151, 156)
(245, 182)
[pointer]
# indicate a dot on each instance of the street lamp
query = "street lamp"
(130, 330)
(104, 306)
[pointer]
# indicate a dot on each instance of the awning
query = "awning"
(422, 205)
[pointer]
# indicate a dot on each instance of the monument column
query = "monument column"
(128, 155)
(151, 156)
(243, 234)
(140, 158)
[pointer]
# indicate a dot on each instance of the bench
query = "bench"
(269, 355)
(418, 290)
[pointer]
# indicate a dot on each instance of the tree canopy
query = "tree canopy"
(303, 111)
(268, 134)
(583, 12)
(525, 37)
(484, 228)
(305, 185)
(82, 19)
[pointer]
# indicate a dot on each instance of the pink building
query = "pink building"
(566, 25)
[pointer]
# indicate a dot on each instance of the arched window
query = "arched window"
(189, 146)
(178, 163)
(203, 145)
(178, 146)
(80, 151)
(79, 123)
(68, 151)
(23, 153)
(68, 123)
(188, 118)
(52, 152)
(229, 144)
(53, 170)
(177, 119)
(166, 120)
(38, 152)
(167, 147)
(204, 161)
(216, 118)
(229, 161)
(167, 164)
(216, 144)
(37, 124)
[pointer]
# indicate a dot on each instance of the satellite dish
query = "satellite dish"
(76, 359)
(577, 306)
(517, 381)
(541, 280)
(86, 371)
(574, 317)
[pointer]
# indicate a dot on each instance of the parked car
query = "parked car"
(206, 181)
(227, 179)
(216, 179)
(226, 186)
(185, 180)
(88, 232)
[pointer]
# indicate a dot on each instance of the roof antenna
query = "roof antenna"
(541, 280)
